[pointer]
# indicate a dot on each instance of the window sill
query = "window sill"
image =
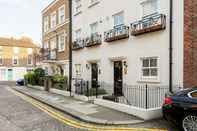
(93, 4)
(149, 80)
(77, 13)
(60, 51)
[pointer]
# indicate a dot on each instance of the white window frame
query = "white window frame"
(78, 6)
(78, 34)
(1, 60)
(13, 59)
(53, 43)
(53, 19)
(60, 43)
(150, 78)
(154, 10)
(46, 23)
(94, 27)
(93, 2)
(78, 69)
(61, 14)
(30, 55)
(118, 16)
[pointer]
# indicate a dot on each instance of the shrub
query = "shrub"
(92, 92)
(59, 82)
(30, 78)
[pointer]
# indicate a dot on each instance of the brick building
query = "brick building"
(17, 57)
(55, 37)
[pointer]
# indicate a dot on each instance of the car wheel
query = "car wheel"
(189, 122)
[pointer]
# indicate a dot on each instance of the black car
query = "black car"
(181, 108)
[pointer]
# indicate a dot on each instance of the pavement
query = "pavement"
(19, 112)
(80, 110)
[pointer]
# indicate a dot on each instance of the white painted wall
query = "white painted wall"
(147, 45)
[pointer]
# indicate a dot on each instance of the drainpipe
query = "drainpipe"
(171, 47)
(70, 46)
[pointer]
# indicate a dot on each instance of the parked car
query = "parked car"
(20, 82)
(181, 109)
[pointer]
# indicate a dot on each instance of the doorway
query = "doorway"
(118, 78)
(94, 75)
(10, 74)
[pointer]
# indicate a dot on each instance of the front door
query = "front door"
(10, 74)
(94, 75)
(118, 80)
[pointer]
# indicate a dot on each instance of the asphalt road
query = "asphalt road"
(16, 114)
(19, 115)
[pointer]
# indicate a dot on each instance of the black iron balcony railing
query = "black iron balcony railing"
(93, 40)
(48, 54)
(78, 44)
(150, 23)
(119, 32)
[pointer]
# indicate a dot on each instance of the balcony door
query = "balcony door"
(94, 75)
(118, 78)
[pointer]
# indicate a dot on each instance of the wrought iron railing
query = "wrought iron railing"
(48, 54)
(94, 39)
(119, 32)
(78, 44)
(150, 23)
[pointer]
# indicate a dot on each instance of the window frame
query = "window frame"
(150, 77)
(91, 27)
(78, 6)
(60, 14)
(121, 13)
(59, 42)
(53, 17)
(13, 59)
(1, 60)
(155, 10)
(45, 24)
(29, 59)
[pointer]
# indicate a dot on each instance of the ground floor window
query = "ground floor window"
(78, 69)
(150, 67)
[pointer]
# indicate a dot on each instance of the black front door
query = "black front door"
(94, 75)
(118, 82)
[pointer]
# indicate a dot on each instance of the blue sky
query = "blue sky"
(22, 18)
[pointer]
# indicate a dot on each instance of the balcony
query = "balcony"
(78, 44)
(93, 40)
(118, 33)
(48, 54)
(150, 23)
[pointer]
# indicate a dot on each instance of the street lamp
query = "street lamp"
(70, 46)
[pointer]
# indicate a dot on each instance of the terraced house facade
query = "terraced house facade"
(17, 57)
(55, 37)
(134, 42)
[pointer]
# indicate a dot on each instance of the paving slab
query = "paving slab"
(81, 110)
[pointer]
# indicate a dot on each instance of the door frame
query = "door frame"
(116, 92)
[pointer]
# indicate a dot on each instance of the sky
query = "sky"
(22, 18)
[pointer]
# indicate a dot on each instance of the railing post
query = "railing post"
(87, 86)
(81, 84)
(146, 96)
(97, 89)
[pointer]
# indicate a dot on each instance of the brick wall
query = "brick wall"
(190, 43)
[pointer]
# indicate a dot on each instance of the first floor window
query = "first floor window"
(61, 43)
(30, 60)
(15, 60)
(150, 67)
(1, 60)
(78, 69)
